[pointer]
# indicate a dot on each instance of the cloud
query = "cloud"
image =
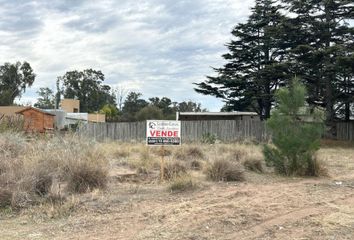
(157, 47)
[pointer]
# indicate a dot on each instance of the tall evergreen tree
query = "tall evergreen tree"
(323, 55)
(256, 65)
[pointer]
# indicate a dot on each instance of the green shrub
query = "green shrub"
(208, 138)
(295, 141)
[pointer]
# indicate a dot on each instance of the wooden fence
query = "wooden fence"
(345, 131)
(224, 130)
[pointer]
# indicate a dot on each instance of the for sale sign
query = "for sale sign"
(163, 132)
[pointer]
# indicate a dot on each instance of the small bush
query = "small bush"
(196, 165)
(238, 153)
(5, 198)
(224, 170)
(189, 153)
(86, 178)
(319, 168)
(208, 138)
(194, 152)
(22, 199)
(296, 141)
(12, 144)
(121, 153)
(182, 183)
(42, 184)
(174, 169)
(12, 124)
(145, 162)
(254, 164)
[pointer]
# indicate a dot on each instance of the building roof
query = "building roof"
(35, 109)
(217, 113)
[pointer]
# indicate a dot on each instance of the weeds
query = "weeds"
(224, 170)
(174, 169)
(86, 178)
(183, 183)
(5, 198)
(254, 164)
(28, 170)
(208, 138)
(188, 153)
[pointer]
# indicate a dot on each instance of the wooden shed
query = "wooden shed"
(37, 120)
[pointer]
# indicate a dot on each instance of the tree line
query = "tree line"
(95, 96)
(312, 40)
(309, 39)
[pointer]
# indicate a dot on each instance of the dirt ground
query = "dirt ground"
(265, 206)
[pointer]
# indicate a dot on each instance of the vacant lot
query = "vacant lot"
(135, 205)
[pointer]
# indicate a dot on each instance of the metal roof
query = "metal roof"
(217, 113)
(35, 109)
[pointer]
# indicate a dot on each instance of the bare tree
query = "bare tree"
(120, 92)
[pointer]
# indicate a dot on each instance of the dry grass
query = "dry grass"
(161, 151)
(5, 198)
(87, 177)
(196, 165)
(225, 170)
(254, 164)
(342, 217)
(29, 170)
(262, 205)
(12, 144)
(189, 153)
(183, 183)
(174, 169)
(320, 168)
(143, 161)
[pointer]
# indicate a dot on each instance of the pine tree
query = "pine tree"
(256, 63)
(294, 139)
(323, 52)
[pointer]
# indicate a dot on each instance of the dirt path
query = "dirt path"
(219, 211)
(321, 208)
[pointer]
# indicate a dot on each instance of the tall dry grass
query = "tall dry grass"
(36, 170)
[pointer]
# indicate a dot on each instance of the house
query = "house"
(37, 120)
(198, 116)
(10, 111)
(72, 108)
(70, 105)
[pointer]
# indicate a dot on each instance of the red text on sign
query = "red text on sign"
(155, 133)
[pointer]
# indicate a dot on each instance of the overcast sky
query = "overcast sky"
(156, 47)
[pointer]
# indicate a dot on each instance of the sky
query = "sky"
(156, 47)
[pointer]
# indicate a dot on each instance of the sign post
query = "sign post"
(162, 133)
